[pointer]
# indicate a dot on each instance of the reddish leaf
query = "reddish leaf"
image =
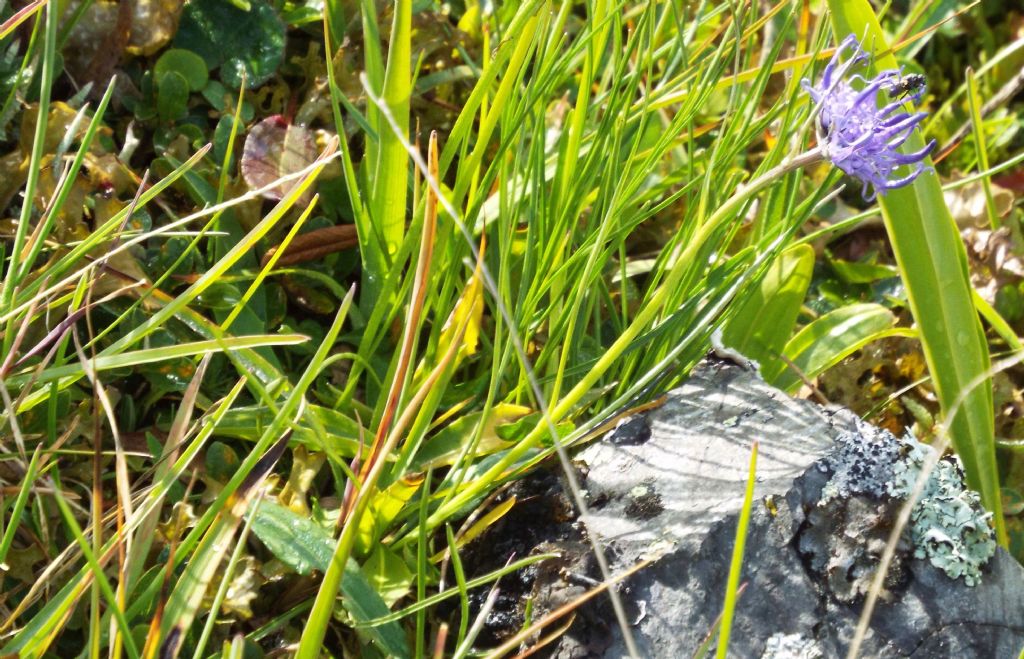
(274, 149)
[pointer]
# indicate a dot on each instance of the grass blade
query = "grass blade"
(736, 565)
(933, 264)
(391, 173)
(164, 353)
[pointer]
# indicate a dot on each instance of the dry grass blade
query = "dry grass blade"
(175, 439)
(26, 322)
(153, 636)
(20, 17)
(547, 639)
(185, 601)
(419, 293)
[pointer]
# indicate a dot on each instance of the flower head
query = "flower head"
(860, 136)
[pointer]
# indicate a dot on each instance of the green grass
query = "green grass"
(547, 237)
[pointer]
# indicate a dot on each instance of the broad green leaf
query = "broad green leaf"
(827, 340)
(448, 443)
(220, 296)
(385, 507)
(862, 273)
(304, 546)
(296, 540)
(186, 63)
(764, 321)
(933, 263)
(172, 96)
(221, 461)
(364, 604)
(389, 574)
(341, 432)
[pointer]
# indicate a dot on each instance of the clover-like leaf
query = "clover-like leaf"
(186, 63)
(242, 43)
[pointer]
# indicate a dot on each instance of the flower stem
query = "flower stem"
(644, 318)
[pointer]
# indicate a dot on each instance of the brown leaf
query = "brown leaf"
(274, 149)
(314, 244)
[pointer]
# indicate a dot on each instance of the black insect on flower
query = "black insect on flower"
(911, 86)
(856, 133)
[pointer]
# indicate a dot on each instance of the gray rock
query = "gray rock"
(809, 558)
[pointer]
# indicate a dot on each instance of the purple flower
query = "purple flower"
(857, 135)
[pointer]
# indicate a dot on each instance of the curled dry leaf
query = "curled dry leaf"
(155, 22)
(314, 244)
(967, 203)
(182, 518)
(243, 590)
(994, 260)
(994, 255)
(305, 467)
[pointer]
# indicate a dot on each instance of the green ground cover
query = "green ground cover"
(292, 288)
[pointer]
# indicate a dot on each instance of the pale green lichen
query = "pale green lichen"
(948, 525)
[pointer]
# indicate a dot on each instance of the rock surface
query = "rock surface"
(676, 496)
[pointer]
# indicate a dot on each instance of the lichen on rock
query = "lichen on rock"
(791, 646)
(948, 525)
(862, 464)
